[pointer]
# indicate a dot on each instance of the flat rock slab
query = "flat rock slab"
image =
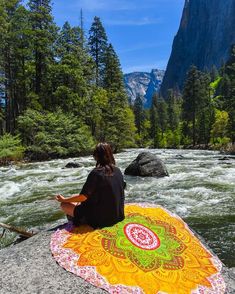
(29, 268)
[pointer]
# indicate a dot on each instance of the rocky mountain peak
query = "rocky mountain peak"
(144, 84)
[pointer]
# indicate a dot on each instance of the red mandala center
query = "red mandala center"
(141, 236)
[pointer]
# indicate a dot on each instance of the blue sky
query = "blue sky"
(141, 31)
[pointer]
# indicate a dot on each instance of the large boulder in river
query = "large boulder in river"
(73, 164)
(147, 165)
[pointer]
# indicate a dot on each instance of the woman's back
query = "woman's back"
(101, 201)
(105, 197)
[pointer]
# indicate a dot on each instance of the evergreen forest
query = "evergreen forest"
(62, 91)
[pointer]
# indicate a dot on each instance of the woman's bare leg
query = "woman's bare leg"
(68, 207)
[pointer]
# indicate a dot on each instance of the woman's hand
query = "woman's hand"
(60, 198)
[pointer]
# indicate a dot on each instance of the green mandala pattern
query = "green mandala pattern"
(167, 255)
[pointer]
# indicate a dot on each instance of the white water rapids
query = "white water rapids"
(200, 189)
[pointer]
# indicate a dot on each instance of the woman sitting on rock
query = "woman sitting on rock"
(101, 201)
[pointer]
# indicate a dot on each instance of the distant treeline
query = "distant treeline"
(62, 90)
(202, 116)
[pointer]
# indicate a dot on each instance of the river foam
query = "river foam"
(200, 188)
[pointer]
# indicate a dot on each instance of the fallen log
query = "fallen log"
(17, 230)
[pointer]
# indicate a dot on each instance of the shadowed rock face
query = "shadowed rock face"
(204, 38)
(147, 165)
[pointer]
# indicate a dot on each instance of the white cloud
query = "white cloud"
(94, 5)
(115, 5)
(143, 46)
(133, 22)
(160, 64)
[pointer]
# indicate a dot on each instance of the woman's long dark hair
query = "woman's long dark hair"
(103, 155)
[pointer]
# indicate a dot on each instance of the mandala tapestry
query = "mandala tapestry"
(151, 251)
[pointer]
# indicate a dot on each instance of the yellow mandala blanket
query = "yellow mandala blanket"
(151, 251)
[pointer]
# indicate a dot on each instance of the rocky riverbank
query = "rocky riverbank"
(228, 149)
(29, 267)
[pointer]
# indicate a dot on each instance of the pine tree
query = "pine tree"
(69, 40)
(113, 77)
(15, 54)
(173, 110)
(139, 113)
(191, 95)
(119, 126)
(118, 118)
(22, 56)
(73, 73)
(95, 110)
(197, 107)
(227, 91)
(162, 115)
(154, 126)
(97, 46)
(3, 28)
(7, 9)
(205, 112)
(44, 33)
(214, 73)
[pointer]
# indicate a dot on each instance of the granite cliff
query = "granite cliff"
(204, 38)
(144, 84)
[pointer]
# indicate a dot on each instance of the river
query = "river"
(200, 189)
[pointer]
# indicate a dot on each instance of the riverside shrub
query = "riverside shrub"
(11, 149)
(54, 134)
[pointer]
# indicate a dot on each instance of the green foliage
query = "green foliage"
(11, 148)
(219, 129)
(139, 114)
(43, 35)
(172, 138)
(143, 139)
(63, 93)
(69, 40)
(154, 124)
(45, 68)
(94, 112)
(173, 110)
(214, 73)
(227, 93)
(191, 95)
(119, 127)
(113, 77)
(73, 73)
(14, 50)
(214, 84)
(162, 115)
(197, 107)
(53, 134)
(205, 114)
(164, 120)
